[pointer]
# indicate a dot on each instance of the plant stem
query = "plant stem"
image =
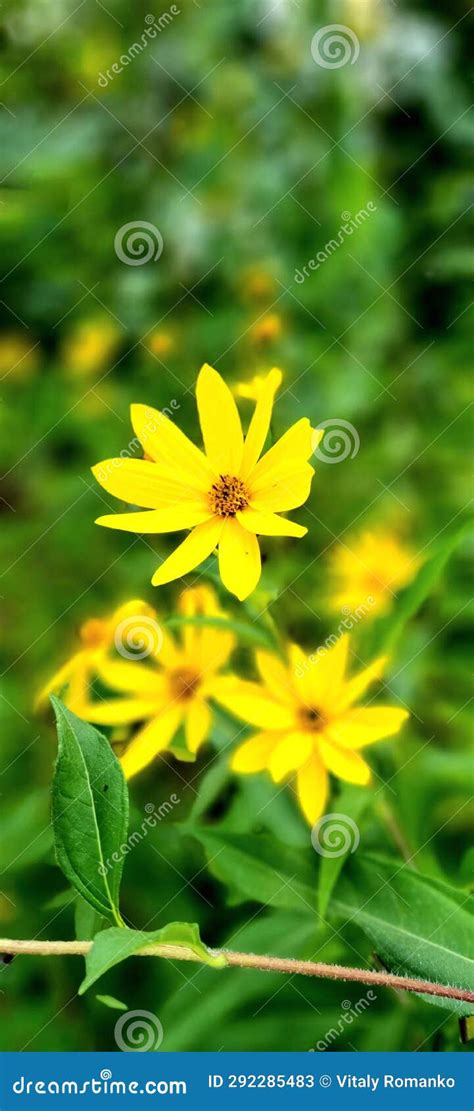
(249, 960)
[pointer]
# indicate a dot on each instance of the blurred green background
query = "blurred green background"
(247, 155)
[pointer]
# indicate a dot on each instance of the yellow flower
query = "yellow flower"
(97, 636)
(172, 689)
(18, 355)
(89, 346)
(309, 725)
(370, 571)
(227, 496)
(267, 329)
(160, 343)
(257, 283)
(252, 390)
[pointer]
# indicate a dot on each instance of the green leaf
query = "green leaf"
(420, 926)
(388, 629)
(110, 1001)
(115, 945)
(256, 634)
(87, 921)
(350, 805)
(261, 868)
(90, 812)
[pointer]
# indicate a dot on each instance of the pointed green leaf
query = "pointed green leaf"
(110, 1001)
(115, 945)
(420, 926)
(90, 812)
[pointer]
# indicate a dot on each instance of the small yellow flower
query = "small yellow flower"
(160, 343)
(89, 346)
(227, 496)
(309, 725)
(18, 355)
(267, 329)
(371, 570)
(97, 636)
(171, 689)
(257, 283)
(252, 390)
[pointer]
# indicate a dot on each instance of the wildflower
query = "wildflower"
(227, 496)
(307, 720)
(97, 636)
(374, 567)
(171, 689)
(257, 283)
(89, 346)
(252, 390)
(267, 329)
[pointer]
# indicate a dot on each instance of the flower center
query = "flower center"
(183, 684)
(312, 718)
(227, 496)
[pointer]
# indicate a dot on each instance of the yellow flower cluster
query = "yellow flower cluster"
(131, 671)
(302, 707)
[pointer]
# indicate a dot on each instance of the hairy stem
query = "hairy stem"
(249, 960)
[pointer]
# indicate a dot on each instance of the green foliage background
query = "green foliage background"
(228, 137)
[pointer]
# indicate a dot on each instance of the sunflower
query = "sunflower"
(172, 688)
(96, 636)
(371, 569)
(226, 496)
(307, 720)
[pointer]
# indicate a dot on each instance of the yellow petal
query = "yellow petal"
(364, 726)
(170, 447)
(239, 559)
(275, 676)
(289, 754)
(253, 755)
(197, 723)
(284, 489)
(252, 703)
(132, 677)
(344, 763)
(294, 447)
(220, 422)
(327, 670)
(268, 524)
(354, 688)
(182, 516)
(151, 740)
(312, 788)
(197, 546)
(205, 647)
(139, 482)
(260, 423)
(61, 677)
(121, 711)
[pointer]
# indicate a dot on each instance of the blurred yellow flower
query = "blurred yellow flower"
(90, 346)
(227, 496)
(257, 283)
(18, 355)
(253, 389)
(172, 689)
(160, 343)
(125, 626)
(371, 569)
(309, 725)
(267, 329)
